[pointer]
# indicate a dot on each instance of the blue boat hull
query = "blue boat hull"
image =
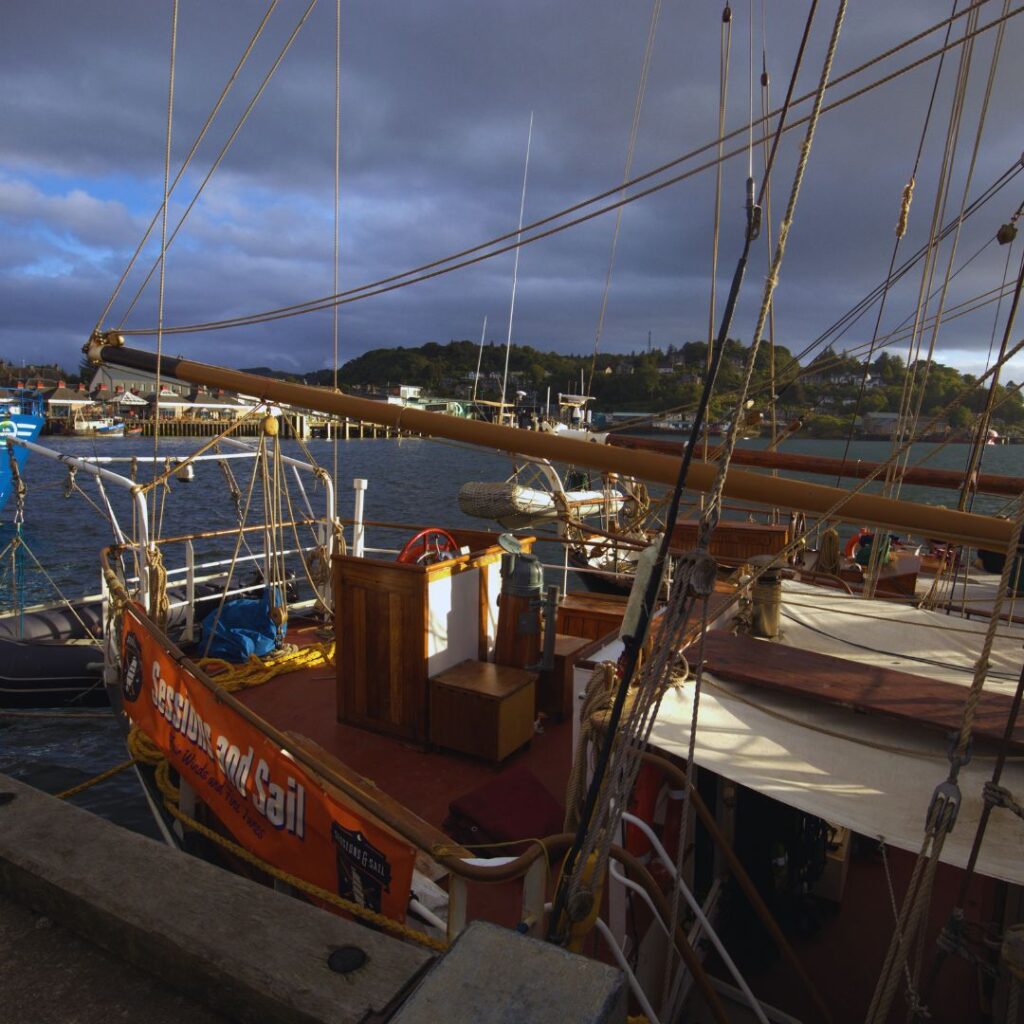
(25, 427)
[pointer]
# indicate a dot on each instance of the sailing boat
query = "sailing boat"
(784, 717)
(334, 739)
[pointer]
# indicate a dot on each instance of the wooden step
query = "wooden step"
(483, 709)
(866, 688)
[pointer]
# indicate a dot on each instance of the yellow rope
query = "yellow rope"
(142, 748)
(256, 670)
(355, 909)
(89, 783)
(170, 792)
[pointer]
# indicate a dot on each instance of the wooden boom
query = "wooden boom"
(819, 465)
(861, 509)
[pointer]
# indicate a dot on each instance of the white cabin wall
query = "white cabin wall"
(490, 625)
(453, 617)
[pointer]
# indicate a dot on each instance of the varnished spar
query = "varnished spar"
(863, 509)
(819, 465)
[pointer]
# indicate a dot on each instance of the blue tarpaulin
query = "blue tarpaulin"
(243, 628)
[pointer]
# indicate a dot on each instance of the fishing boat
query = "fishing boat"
(22, 415)
(679, 780)
(98, 426)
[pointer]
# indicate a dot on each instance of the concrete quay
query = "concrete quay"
(49, 975)
(100, 924)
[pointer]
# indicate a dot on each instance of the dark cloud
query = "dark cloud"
(436, 101)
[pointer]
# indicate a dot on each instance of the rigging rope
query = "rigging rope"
(163, 250)
(18, 544)
(993, 65)
(984, 421)
(610, 786)
(634, 129)
(515, 273)
(337, 233)
(185, 163)
(769, 242)
(238, 544)
(574, 893)
(713, 508)
(750, 93)
(887, 340)
(901, 230)
(724, 54)
(713, 512)
(975, 456)
(848, 319)
(219, 158)
(395, 281)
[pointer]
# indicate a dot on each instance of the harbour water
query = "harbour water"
(410, 481)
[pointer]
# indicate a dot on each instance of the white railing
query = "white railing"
(698, 912)
(192, 573)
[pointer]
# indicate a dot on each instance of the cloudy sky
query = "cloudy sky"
(436, 100)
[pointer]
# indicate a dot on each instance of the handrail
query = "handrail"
(636, 868)
(620, 958)
(232, 531)
(101, 460)
(137, 494)
(698, 912)
(217, 562)
(736, 869)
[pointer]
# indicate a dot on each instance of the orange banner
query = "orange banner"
(270, 804)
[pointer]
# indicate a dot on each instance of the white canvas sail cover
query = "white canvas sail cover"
(872, 775)
(515, 506)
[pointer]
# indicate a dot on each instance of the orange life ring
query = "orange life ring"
(854, 542)
(429, 546)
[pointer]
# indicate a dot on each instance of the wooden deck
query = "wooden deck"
(425, 780)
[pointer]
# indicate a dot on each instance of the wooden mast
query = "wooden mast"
(861, 509)
(820, 465)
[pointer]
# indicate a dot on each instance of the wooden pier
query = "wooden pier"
(305, 427)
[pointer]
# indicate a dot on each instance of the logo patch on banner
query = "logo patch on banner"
(364, 873)
(131, 671)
